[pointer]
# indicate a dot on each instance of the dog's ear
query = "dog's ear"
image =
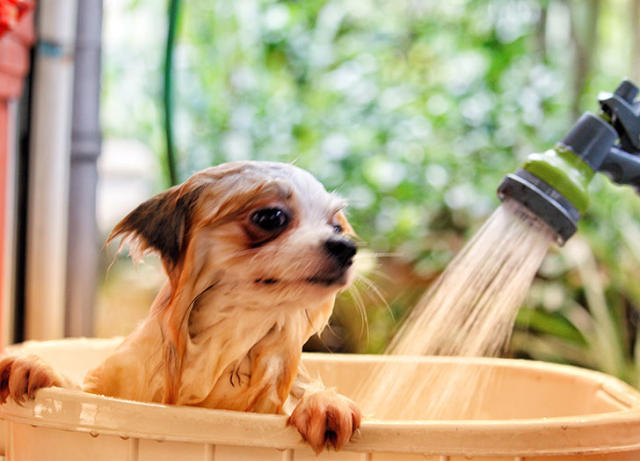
(160, 224)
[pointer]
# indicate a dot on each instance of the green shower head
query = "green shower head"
(554, 185)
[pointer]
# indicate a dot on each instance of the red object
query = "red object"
(11, 12)
(14, 64)
(4, 128)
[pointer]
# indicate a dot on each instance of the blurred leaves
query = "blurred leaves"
(594, 323)
(551, 324)
(413, 110)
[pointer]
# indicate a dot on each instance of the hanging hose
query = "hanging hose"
(167, 91)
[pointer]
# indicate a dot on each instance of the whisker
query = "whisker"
(369, 283)
(381, 274)
(375, 254)
(362, 310)
(361, 278)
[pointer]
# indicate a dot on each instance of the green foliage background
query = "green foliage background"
(413, 110)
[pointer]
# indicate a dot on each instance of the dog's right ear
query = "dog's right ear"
(160, 224)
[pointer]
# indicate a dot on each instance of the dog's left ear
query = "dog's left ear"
(160, 224)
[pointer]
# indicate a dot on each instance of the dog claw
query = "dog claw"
(22, 376)
(326, 419)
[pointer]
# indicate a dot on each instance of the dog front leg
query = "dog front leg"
(22, 375)
(323, 417)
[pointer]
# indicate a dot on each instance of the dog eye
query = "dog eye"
(338, 229)
(270, 219)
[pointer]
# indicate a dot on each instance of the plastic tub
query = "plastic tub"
(535, 411)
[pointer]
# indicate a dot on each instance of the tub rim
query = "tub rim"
(614, 431)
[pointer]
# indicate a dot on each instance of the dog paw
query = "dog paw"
(22, 376)
(325, 418)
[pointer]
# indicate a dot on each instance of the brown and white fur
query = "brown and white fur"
(255, 253)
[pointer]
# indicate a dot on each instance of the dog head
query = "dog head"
(260, 242)
(267, 228)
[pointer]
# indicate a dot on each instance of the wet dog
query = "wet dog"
(255, 253)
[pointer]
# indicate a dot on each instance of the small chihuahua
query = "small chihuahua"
(255, 253)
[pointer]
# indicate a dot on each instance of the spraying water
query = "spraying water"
(469, 311)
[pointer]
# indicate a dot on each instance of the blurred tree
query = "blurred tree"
(413, 110)
(584, 20)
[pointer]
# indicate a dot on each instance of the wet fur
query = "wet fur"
(227, 328)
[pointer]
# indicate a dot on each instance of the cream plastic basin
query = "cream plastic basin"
(535, 411)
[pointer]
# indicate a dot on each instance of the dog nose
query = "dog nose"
(341, 250)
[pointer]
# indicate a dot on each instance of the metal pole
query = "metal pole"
(46, 252)
(82, 249)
